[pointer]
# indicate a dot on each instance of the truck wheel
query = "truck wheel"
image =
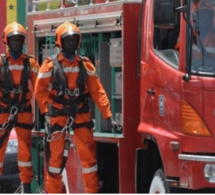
(158, 185)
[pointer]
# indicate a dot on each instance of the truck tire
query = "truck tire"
(158, 185)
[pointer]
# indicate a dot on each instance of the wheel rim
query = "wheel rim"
(158, 184)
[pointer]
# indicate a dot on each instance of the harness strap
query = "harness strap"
(7, 110)
(5, 74)
(65, 155)
(22, 125)
(24, 80)
(88, 125)
(58, 74)
(25, 126)
(60, 83)
(7, 85)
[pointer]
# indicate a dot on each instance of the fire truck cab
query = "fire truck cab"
(153, 61)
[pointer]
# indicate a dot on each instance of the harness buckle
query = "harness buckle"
(67, 144)
(77, 92)
(74, 92)
(17, 90)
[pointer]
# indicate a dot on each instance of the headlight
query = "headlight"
(12, 146)
(209, 172)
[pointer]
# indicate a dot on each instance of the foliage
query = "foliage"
(52, 5)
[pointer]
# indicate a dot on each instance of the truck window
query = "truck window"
(165, 41)
(203, 43)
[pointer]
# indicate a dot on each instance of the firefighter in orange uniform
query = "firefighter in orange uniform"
(63, 84)
(18, 73)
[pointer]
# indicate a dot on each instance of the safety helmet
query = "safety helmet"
(12, 29)
(65, 30)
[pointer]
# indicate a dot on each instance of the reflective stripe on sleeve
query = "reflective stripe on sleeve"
(54, 169)
(44, 75)
(24, 164)
(90, 169)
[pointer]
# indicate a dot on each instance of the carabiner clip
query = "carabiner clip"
(13, 112)
(69, 122)
(49, 138)
(56, 138)
(5, 125)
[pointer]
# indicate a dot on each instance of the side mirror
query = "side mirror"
(165, 14)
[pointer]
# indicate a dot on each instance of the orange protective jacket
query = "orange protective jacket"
(44, 93)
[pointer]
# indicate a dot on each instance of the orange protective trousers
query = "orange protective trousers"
(24, 146)
(85, 145)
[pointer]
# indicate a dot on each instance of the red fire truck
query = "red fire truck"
(162, 96)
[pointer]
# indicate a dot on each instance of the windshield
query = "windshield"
(203, 36)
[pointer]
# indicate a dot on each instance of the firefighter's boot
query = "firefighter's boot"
(26, 188)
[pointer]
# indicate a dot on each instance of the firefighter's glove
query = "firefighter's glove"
(114, 124)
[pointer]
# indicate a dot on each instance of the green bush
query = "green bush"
(52, 5)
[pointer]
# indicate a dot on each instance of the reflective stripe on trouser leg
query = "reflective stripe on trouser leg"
(90, 178)
(54, 184)
(86, 152)
(24, 155)
(90, 169)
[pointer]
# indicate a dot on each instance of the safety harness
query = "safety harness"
(15, 104)
(71, 106)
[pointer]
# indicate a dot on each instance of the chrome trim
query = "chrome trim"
(87, 23)
(199, 158)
